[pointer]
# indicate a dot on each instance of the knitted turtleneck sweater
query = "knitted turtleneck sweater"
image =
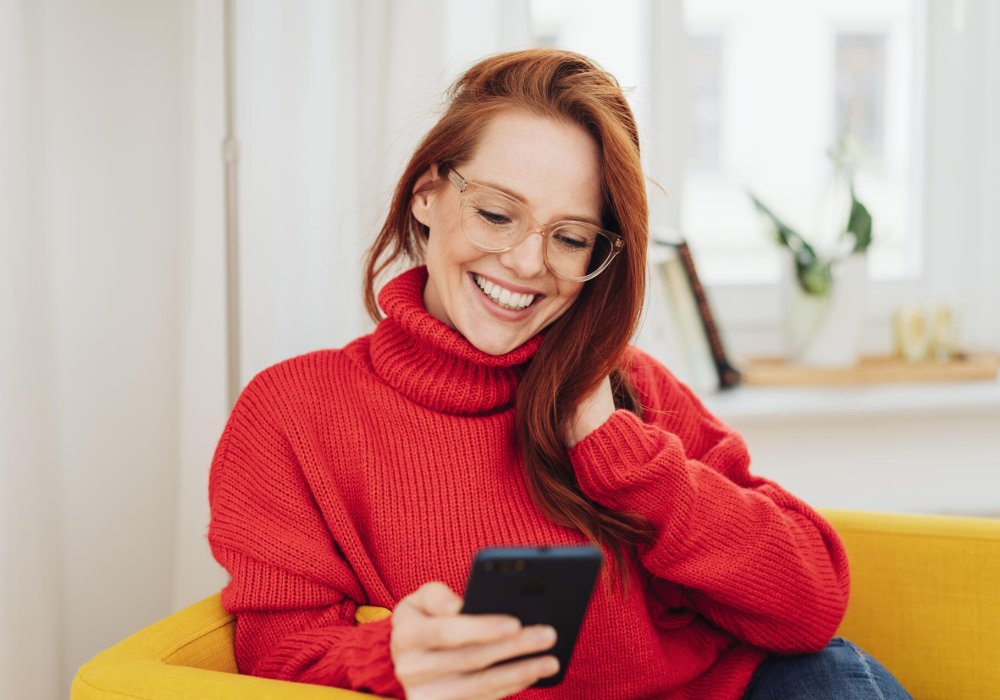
(354, 476)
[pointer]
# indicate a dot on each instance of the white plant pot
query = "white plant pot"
(826, 331)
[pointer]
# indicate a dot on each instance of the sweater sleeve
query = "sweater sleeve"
(292, 592)
(755, 560)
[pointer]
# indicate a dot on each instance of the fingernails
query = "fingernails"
(549, 666)
(543, 634)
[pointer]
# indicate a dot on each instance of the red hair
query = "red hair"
(588, 342)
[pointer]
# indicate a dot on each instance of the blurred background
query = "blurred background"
(115, 313)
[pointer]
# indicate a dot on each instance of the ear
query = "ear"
(425, 192)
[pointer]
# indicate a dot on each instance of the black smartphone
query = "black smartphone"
(537, 585)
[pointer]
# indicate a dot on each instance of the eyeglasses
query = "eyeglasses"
(496, 223)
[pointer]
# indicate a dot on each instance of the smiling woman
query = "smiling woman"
(498, 403)
(558, 163)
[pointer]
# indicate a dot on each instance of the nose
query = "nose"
(527, 258)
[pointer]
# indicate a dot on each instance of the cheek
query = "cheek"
(569, 292)
(446, 243)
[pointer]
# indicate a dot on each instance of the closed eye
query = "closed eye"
(572, 242)
(492, 217)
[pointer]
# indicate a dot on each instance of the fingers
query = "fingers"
(429, 619)
(490, 684)
(462, 630)
(424, 665)
(591, 413)
(515, 677)
(475, 657)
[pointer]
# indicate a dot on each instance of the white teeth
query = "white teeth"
(504, 297)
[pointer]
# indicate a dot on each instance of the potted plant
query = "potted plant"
(824, 314)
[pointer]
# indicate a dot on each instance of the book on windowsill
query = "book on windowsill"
(679, 327)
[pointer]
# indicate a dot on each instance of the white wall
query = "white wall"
(919, 448)
(935, 463)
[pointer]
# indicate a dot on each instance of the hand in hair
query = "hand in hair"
(591, 414)
(439, 653)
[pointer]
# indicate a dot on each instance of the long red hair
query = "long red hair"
(588, 342)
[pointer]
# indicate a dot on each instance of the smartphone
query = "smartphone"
(537, 585)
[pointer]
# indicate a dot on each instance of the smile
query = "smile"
(504, 298)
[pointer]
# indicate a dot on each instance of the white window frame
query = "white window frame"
(955, 162)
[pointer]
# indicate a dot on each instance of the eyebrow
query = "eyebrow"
(520, 198)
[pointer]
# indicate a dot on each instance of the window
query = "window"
(860, 90)
(752, 95)
(770, 89)
(775, 87)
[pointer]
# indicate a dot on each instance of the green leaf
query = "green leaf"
(788, 237)
(859, 224)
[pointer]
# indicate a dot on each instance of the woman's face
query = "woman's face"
(551, 166)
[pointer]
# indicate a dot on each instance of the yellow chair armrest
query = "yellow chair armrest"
(190, 655)
(925, 599)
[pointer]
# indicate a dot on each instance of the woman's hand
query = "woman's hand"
(591, 414)
(439, 653)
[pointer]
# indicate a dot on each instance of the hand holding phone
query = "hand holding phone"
(539, 586)
(438, 652)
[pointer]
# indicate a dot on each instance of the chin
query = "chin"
(495, 347)
(491, 344)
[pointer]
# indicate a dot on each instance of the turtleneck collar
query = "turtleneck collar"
(434, 365)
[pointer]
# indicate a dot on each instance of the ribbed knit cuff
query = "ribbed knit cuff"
(369, 660)
(351, 658)
(620, 455)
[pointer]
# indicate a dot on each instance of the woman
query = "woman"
(498, 403)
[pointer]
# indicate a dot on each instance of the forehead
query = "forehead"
(554, 166)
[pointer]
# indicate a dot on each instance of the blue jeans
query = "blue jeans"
(842, 671)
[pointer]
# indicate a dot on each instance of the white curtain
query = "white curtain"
(29, 562)
(90, 209)
(331, 99)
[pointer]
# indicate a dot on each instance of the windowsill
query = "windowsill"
(757, 403)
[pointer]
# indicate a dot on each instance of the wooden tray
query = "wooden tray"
(871, 370)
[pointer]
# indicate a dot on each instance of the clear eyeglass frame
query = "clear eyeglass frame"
(467, 187)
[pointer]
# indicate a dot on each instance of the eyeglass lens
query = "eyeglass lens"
(496, 223)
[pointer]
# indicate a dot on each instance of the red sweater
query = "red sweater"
(353, 476)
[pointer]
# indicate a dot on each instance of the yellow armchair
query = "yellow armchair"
(925, 601)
